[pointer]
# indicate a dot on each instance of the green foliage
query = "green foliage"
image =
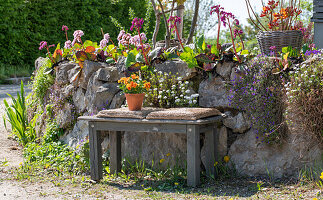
(25, 23)
(54, 157)
(168, 91)
(52, 132)
(16, 115)
(42, 81)
(257, 84)
(305, 91)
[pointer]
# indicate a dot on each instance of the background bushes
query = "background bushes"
(23, 24)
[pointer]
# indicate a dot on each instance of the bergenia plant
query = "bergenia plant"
(136, 26)
(218, 10)
(174, 21)
(44, 45)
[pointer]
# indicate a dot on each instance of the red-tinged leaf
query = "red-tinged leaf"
(81, 56)
(89, 49)
(93, 56)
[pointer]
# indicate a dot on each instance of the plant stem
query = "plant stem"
(234, 48)
(142, 47)
(219, 27)
(179, 38)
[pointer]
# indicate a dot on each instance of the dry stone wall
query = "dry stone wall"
(97, 89)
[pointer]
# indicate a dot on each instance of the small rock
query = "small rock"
(213, 93)
(62, 72)
(117, 100)
(176, 67)
(64, 116)
(224, 69)
(108, 74)
(67, 91)
(237, 123)
(79, 100)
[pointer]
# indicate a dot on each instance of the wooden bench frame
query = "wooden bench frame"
(192, 129)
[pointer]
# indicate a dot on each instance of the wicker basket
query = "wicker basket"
(279, 39)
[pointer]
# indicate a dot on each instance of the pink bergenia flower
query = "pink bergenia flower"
(52, 45)
(103, 43)
(121, 34)
(136, 23)
(216, 9)
(135, 40)
(77, 35)
(42, 45)
(68, 44)
(237, 32)
(64, 28)
(143, 37)
(107, 36)
(174, 21)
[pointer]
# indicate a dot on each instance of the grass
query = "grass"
(7, 71)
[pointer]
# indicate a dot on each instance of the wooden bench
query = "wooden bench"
(192, 128)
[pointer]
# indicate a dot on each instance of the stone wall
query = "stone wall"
(97, 89)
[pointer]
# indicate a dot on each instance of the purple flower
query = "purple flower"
(64, 28)
(208, 46)
(308, 53)
(236, 21)
(137, 23)
(107, 36)
(52, 45)
(68, 44)
(42, 44)
(103, 43)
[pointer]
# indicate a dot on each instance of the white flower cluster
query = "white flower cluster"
(170, 91)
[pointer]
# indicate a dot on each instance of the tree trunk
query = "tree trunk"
(180, 13)
(193, 24)
(167, 38)
(157, 14)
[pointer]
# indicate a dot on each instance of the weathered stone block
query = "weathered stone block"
(176, 67)
(237, 123)
(213, 93)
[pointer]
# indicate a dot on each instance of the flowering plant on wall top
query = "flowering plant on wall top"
(279, 15)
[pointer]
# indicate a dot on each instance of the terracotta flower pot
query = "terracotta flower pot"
(135, 101)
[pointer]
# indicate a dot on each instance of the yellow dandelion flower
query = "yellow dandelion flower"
(226, 159)
(162, 160)
(321, 177)
(215, 164)
(175, 183)
(168, 154)
(315, 199)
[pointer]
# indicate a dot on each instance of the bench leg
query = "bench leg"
(193, 155)
(210, 137)
(95, 152)
(115, 151)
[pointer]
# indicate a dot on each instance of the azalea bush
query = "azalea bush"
(169, 90)
(258, 92)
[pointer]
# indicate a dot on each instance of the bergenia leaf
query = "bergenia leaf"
(81, 56)
(245, 52)
(130, 60)
(203, 58)
(214, 50)
(89, 49)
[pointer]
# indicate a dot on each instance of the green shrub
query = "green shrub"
(25, 23)
(41, 82)
(17, 117)
(305, 92)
